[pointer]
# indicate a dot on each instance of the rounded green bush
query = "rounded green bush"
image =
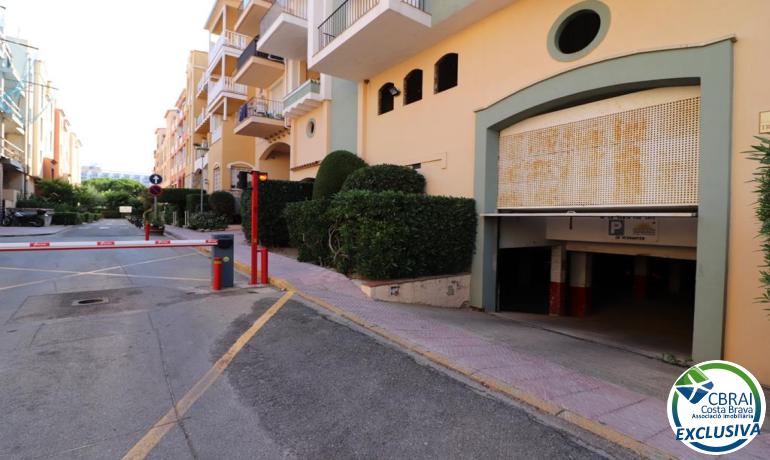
(222, 204)
(384, 178)
(334, 169)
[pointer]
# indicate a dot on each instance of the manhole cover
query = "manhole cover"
(96, 301)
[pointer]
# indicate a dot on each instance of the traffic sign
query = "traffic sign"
(155, 190)
(156, 179)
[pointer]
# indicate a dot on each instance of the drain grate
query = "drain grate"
(94, 301)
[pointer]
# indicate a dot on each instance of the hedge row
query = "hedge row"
(386, 235)
(274, 195)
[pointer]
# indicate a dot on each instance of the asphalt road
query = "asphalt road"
(91, 381)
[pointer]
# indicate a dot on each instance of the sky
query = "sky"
(118, 66)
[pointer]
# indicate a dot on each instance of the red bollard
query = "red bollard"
(146, 231)
(216, 276)
(265, 277)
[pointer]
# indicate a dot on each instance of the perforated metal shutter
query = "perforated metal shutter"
(641, 157)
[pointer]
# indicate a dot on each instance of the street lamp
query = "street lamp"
(201, 150)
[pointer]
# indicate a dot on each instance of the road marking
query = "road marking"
(72, 275)
(173, 278)
(104, 228)
(148, 442)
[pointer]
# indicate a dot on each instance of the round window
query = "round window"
(578, 30)
(310, 127)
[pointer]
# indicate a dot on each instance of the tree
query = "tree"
(121, 185)
(87, 197)
(57, 191)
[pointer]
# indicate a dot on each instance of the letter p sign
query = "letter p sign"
(617, 227)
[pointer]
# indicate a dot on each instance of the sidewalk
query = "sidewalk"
(612, 393)
(32, 231)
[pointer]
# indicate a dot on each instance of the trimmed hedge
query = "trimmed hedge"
(274, 195)
(334, 169)
(66, 218)
(192, 202)
(111, 214)
(308, 227)
(223, 204)
(390, 235)
(207, 221)
(383, 178)
(33, 202)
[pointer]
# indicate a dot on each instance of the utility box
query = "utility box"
(226, 251)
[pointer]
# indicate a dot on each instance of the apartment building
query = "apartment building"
(37, 140)
(196, 143)
(601, 140)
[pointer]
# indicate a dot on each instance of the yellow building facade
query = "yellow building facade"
(487, 98)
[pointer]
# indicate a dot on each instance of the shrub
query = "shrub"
(192, 202)
(309, 228)
(66, 218)
(56, 191)
(33, 202)
(207, 221)
(382, 178)
(222, 204)
(334, 169)
(111, 214)
(274, 195)
(392, 235)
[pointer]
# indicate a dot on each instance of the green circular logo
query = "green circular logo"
(716, 407)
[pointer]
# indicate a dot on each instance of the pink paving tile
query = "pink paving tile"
(599, 401)
(642, 420)
(551, 388)
(527, 369)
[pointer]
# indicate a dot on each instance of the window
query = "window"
(234, 170)
(388, 93)
(413, 86)
(217, 179)
(578, 30)
(446, 73)
(310, 130)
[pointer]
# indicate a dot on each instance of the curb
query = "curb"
(592, 426)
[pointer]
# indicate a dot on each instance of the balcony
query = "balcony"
(12, 152)
(202, 122)
(251, 12)
(364, 37)
(224, 90)
(228, 46)
(260, 118)
(303, 99)
(283, 30)
(201, 163)
(202, 85)
(258, 69)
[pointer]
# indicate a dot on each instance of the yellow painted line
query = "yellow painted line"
(148, 442)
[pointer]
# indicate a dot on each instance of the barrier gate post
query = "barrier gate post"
(225, 251)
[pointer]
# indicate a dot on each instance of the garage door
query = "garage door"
(632, 151)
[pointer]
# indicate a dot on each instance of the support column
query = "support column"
(580, 283)
(640, 277)
(557, 296)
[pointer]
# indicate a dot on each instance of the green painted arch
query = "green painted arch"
(711, 67)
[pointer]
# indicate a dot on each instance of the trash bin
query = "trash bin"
(225, 249)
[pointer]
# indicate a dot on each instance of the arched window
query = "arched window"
(446, 73)
(413, 86)
(388, 93)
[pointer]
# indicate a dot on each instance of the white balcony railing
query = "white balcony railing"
(200, 118)
(202, 84)
(228, 39)
(226, 85)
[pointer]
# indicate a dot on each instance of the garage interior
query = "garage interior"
(597, 221)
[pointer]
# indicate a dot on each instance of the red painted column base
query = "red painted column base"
(640, 287)
(580, 301)
(557, 299)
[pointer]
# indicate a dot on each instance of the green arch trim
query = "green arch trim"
(711, 67)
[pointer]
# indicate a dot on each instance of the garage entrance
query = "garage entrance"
(524, 279)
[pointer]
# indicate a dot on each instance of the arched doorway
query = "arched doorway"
(275, 161)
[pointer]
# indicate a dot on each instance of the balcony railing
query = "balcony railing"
(341, 19)
(310, 86)
(260, 107)
(202, 84)
(347, 14)
(226, 84)
(230, 39)
(296, 8)
(251, 51)
(200, 118)
(12, 151)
